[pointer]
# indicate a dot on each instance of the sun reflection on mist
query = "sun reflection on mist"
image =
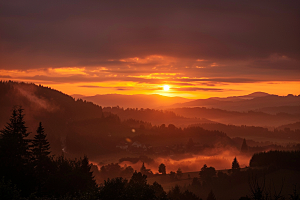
(192, 163)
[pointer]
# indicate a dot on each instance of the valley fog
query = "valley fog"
(218, 158)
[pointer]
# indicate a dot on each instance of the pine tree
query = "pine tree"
(143, 168)
(41, 162)
(14, 150)
(87, 175)
(40, 145)
(235, 164)
(14, 147)
(244, 147)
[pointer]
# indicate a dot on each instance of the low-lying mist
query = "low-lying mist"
(218, 158)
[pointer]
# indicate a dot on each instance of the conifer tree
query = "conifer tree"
(14, 150)
(86, 173)
(13, 144)
(211, 196)
(235, 164)
(14, 147)
(40, 145)
(41, 162)
(244, 147)
(143, 168)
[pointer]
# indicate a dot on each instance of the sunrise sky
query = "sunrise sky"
(198, 48)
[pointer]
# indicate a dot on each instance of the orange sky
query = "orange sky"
(181, 84)
(200, 49)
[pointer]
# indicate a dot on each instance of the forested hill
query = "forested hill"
(155, 117)
(60, 114)
(77, 127)
(250, 118)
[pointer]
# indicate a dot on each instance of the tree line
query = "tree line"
(27, 169)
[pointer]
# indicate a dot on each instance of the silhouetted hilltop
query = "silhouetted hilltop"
(293, 126)
(253, 118)
(133, 101)
(244, 103)
(156, 117)
(280, 109)
(254, 132)
(244, 97)
(62, 115)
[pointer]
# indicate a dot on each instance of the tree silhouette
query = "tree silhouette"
(235, 165)
(172, 175)
(244, 147)
(27, 170)
(41, 162)
(162, 168)
(40, 145)
(207, 173)
(196, 181)
(138, 188)
(176, 194)
(8, 190)
(113, 189)
(159, 191)
(14, 151)
(86, 175)
(211, 196)
(143, 168)
(179, 173)
(256, 188)
(294, 195)
(138, 178)
(13, 144)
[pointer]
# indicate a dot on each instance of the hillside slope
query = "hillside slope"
(63, 117)
(244, 103)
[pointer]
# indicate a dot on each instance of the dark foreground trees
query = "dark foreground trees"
(26, 169)
(137, 188)
(15, 165)
(207, 173)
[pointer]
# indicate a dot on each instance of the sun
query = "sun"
(166, 87)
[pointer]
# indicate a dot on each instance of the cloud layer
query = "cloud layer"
(197, 43)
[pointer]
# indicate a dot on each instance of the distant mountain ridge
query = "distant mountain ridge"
(280, 109)
(292, 126)
(240, 98)
(155, 117)
(132, 101)
(253, 101)
(250, 118)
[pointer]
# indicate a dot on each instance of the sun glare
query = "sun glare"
(166, 87)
